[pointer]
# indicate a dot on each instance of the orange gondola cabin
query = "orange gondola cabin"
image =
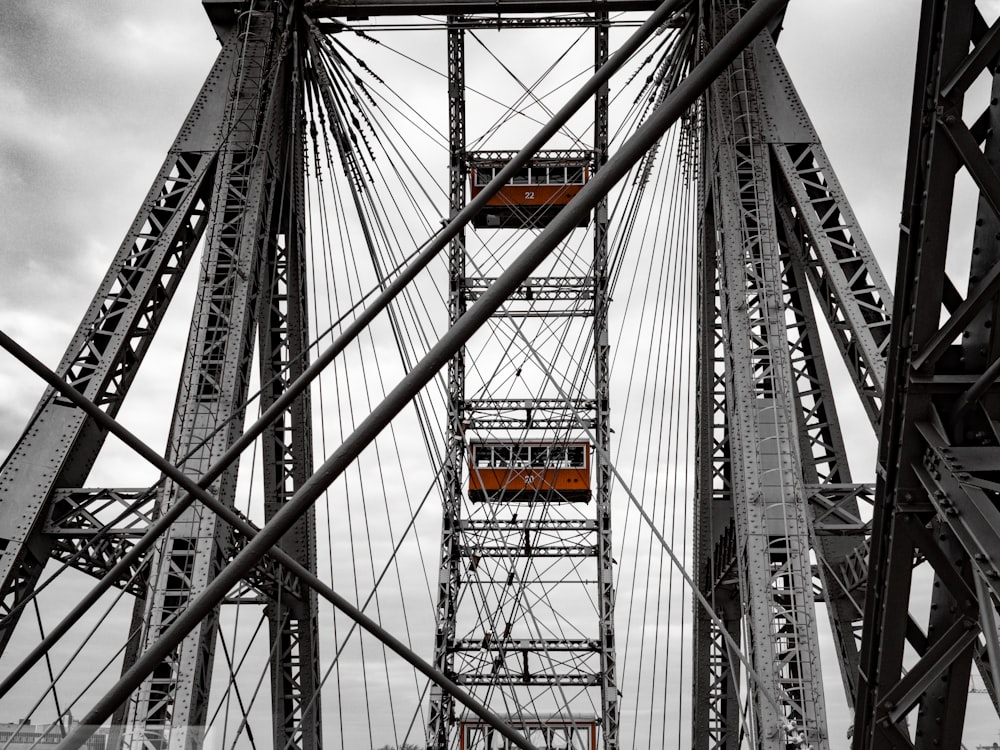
(535, 194)
(529, 472)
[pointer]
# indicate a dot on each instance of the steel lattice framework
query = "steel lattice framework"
(781, 523)
(774, 483)
(489, 550)
(936, 498)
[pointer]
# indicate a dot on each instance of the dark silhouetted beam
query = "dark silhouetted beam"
(368, 8)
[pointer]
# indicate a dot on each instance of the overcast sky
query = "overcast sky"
(93, 94)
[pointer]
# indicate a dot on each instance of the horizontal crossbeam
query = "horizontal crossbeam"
(82, 540)
(537, 288)
(521, 414)
(555, 525)
(542, 678)
(526, 644)
(833, 504)
(520, 550)
(367, 8)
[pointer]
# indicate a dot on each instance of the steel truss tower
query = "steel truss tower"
(497, 628)
(234, 175)
(774, 488)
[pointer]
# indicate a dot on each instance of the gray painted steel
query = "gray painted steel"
(774, 485)
(936, 496)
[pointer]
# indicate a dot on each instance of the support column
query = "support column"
(442, 705)
(602, 426)
(170, 707)
(772, 530)
(287, 450)
(715, 697)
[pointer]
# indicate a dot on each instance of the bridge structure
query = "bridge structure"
(503, 416)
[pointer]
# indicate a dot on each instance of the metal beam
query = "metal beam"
(353, 9)
(934, 497)
(767, 461)
(715, 711)
(171, 705)
(287, 447)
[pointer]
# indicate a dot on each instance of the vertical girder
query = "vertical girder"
(936, 499)
(287, 448)
(441, 717)
(110, 346)
(772, 526)
(602, 425)
(786, 192)
(171, 705)
(715, 700)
